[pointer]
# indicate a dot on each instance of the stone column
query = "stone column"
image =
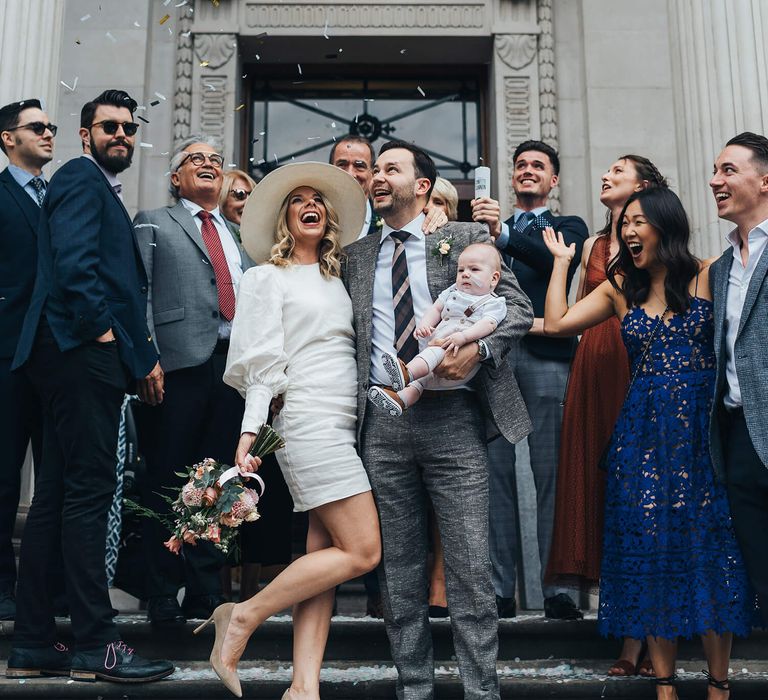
(214, 89)
(720, 77)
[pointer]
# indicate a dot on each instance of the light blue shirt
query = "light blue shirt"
(503, 239)
(24, 178)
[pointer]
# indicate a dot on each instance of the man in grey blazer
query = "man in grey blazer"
(739, 422)
(437, 450)
(194, 264)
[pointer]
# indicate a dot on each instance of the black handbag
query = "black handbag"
(603, 461)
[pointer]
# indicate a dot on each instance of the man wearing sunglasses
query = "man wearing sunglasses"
(84, 340)
(26, 138)
(194, 264)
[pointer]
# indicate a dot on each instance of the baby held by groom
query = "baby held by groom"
(465, 312)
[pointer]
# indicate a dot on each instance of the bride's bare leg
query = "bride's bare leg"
(311, 622)
(353, 526)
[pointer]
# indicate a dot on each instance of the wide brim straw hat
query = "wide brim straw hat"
(259, 221)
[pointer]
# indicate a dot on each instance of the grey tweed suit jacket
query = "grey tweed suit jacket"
(751, 356)
(183, 302)
(498, 390)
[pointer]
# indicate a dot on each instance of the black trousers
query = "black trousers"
(20, 421)
(747, 483)
(81, 391)
(200, 417)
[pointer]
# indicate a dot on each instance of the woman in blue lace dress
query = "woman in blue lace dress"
(671, 567)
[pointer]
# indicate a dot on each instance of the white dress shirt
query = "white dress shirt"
(738, 284)
(231, 252)
(383, 317)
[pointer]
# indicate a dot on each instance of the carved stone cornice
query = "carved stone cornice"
(350, 15)
(516, 50)
(547, 88)
(215, 50)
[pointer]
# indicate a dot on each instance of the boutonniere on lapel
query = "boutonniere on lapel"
(378, 224)
(443, 248)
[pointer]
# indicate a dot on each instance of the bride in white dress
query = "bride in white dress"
(292, 336)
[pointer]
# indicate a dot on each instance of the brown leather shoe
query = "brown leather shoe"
(386, 400)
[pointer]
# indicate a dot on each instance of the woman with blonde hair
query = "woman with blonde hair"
(235, 188)
(444, 196)
(292, 336)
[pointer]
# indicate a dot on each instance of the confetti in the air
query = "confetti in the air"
(162, 97)
(239, 107)
(164, 19)
(421, 92)
(85, 18)
(298, 65)
(142, 144)
(203, 64)
(146, 121)
(110, 37)
(154, 103)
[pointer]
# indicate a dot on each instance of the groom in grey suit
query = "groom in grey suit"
(437, 449)
(194, 264)
(739, 282)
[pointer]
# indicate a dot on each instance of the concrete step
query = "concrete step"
(363, 639)
(530, 680)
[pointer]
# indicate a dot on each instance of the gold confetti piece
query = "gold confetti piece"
(239, 107)
(215, 3)
(165, 19)
(203, 64)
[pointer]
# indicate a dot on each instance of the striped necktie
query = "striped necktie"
(405, 323)
(38, 184)
(224, 284)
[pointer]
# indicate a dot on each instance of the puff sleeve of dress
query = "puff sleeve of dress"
(257, 360)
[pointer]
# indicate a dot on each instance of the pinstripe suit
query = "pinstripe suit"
(437, 450)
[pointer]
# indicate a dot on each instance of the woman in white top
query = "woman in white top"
(292, 336)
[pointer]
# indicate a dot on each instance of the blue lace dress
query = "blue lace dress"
(671, 566)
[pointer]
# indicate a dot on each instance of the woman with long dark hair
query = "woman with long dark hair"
(596, 388)
(670, 564)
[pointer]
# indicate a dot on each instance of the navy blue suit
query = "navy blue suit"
(20, 419)
(541, 369)
(90, 278)
(90, 274)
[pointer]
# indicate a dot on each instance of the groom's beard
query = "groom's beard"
(400, 200)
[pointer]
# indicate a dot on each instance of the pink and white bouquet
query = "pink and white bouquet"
(215, 500)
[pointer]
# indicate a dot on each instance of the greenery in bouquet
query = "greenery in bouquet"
(215, 500)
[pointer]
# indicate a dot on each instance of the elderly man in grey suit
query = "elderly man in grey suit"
(437, 450)
(194, 264)
(739, 281)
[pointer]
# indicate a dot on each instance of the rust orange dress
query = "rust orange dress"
(596, 391)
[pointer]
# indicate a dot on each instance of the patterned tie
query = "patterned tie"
(405, 323)
(220, 267)
(524, 221)
(38, 185)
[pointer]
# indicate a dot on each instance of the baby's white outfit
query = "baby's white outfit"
(460, 312)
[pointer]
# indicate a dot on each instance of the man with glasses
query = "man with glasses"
(26, 138)
(194, 264)
(84, 340)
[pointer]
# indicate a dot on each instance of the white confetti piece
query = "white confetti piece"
(340, 50)
(137, 25)
(421, 92)
(85, 18)
(261, 161)
(74, 85)
(181, 4)
(186, 34)
(166, 3)
(110, 37)
(258, 58)
(212, 88)
(165, 153)
(333, 125)
(170, 31)
(402, 51)
(146, 226)
(325, 30)
(71, 89)
(298, 65)
(143, 144)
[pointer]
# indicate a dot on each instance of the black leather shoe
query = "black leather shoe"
(118, 663)
(23, 662)
(506, 607)
(561, 607)
(7, 606)
(165, 612)
(374, 607)
(201, 607)
(438, 611)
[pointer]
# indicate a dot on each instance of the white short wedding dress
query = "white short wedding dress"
(292, 335)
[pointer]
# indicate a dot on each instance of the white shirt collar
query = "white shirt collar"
(735, 240)
(413, 227)
(111, 177)
(194, 208)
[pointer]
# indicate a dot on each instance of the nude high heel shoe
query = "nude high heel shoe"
(220, 619)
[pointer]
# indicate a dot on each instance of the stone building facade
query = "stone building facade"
(668, 79)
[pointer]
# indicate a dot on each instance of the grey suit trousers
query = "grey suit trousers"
(542, 383)
(436, 451)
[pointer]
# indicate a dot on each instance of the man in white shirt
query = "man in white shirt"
(194, 265)
(739, 425)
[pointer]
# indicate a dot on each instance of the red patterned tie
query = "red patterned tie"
(220, 267)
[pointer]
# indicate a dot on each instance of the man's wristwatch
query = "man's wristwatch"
(482, 350)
